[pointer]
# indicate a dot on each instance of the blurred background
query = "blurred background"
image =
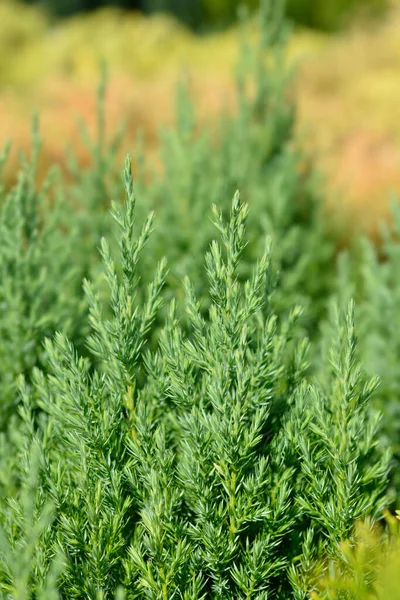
(347, 84)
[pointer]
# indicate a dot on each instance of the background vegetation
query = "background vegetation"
(320, 14)
(55, 66)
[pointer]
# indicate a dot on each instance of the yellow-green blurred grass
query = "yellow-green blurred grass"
(368, 567)
(55, 67)
(348, 89)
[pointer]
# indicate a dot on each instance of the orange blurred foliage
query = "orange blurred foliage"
(347, 89)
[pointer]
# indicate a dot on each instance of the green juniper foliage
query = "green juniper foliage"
(90, 187)
(205, 468)
(161, 434)
(372, 277)
(254, 151)
(39, 284)
(50, 235)
(24, 552)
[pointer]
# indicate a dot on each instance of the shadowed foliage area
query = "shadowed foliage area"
(319, 14)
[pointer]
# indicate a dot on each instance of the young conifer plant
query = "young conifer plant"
(204, 466)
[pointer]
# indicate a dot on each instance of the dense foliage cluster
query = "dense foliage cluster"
(170, 427)
(372, 278)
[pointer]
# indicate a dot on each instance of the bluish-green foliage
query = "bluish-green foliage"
(163, 435)
(38, 281)
(372, 277)
(254, 151)
(207, 467)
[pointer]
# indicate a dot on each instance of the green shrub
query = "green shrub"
(163, 435)
(39, 283)
(205, 468)
(372, 277)
(254, 151)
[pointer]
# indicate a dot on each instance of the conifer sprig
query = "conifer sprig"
(118, 342)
